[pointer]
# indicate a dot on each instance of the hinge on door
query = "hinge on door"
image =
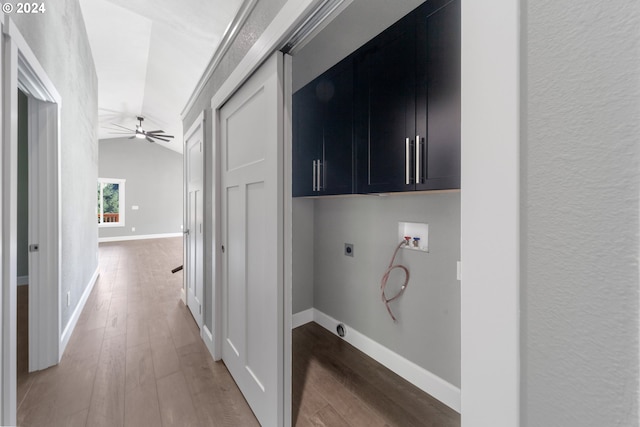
(200, 308)
(34, 247)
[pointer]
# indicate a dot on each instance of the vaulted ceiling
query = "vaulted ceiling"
(149, 56)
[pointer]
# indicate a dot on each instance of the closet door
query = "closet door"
(251, 134)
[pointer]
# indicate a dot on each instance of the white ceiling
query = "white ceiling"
(149, 56)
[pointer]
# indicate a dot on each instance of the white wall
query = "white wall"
(581, 184)
(154, 183)
(59, 40)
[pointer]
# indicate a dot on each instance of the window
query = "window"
(110, 202)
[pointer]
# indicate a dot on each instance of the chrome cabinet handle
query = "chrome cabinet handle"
(314, 175)
(407, 161)
(418, 181)
(319, 178)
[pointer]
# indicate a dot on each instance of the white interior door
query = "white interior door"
(194, 268)
(251, 136)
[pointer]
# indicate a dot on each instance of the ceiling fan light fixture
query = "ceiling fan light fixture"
(140, 133)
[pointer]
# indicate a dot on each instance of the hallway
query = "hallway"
(135, 357)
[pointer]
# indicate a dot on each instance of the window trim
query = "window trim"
(121, 202)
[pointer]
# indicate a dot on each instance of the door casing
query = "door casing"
(21, 69)
(194, 262)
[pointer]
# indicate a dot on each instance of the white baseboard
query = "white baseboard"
(139, 237)
(416, 375)
(68, 330)
(207, 337)
(23, 280)
(302, 317)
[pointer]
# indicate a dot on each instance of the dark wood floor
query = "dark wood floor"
(135, 359)
(334, 384)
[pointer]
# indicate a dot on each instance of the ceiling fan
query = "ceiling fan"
(139, 132)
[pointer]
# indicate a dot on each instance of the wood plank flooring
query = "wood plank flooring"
(334, 384)
(135, 359)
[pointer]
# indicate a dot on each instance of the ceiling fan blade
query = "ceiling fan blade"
(160, 138)
(131, 137)
(150, 140)
(154, 131)
(125, 128)
(115, 129)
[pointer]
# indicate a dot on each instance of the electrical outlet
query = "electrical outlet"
(348, 249)
(133, 229)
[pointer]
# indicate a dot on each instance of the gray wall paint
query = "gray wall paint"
(580, 169)
(23, 185)
(303, 255)
(59, 40)
(154, 184)
(348, 289)
(357, 24)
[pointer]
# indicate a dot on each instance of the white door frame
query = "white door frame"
(21, 69)
(198, 124)
(489, 203)
(490, 213)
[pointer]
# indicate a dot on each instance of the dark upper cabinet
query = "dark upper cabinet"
(307, 116)
(323, 134)
(387, 118)
(385, 79)
(438, 97)
(407, 103)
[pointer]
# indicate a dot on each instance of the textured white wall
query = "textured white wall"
(59, 40)
(580, 157)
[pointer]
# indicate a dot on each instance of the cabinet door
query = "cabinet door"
(335, 88)
(438, 97)
(307, 140)
(385, 110)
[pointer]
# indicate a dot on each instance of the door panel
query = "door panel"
(438, 92)
(251, 125)
(307, 118)
(337, 164)
(385, 104)
(195, 218)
